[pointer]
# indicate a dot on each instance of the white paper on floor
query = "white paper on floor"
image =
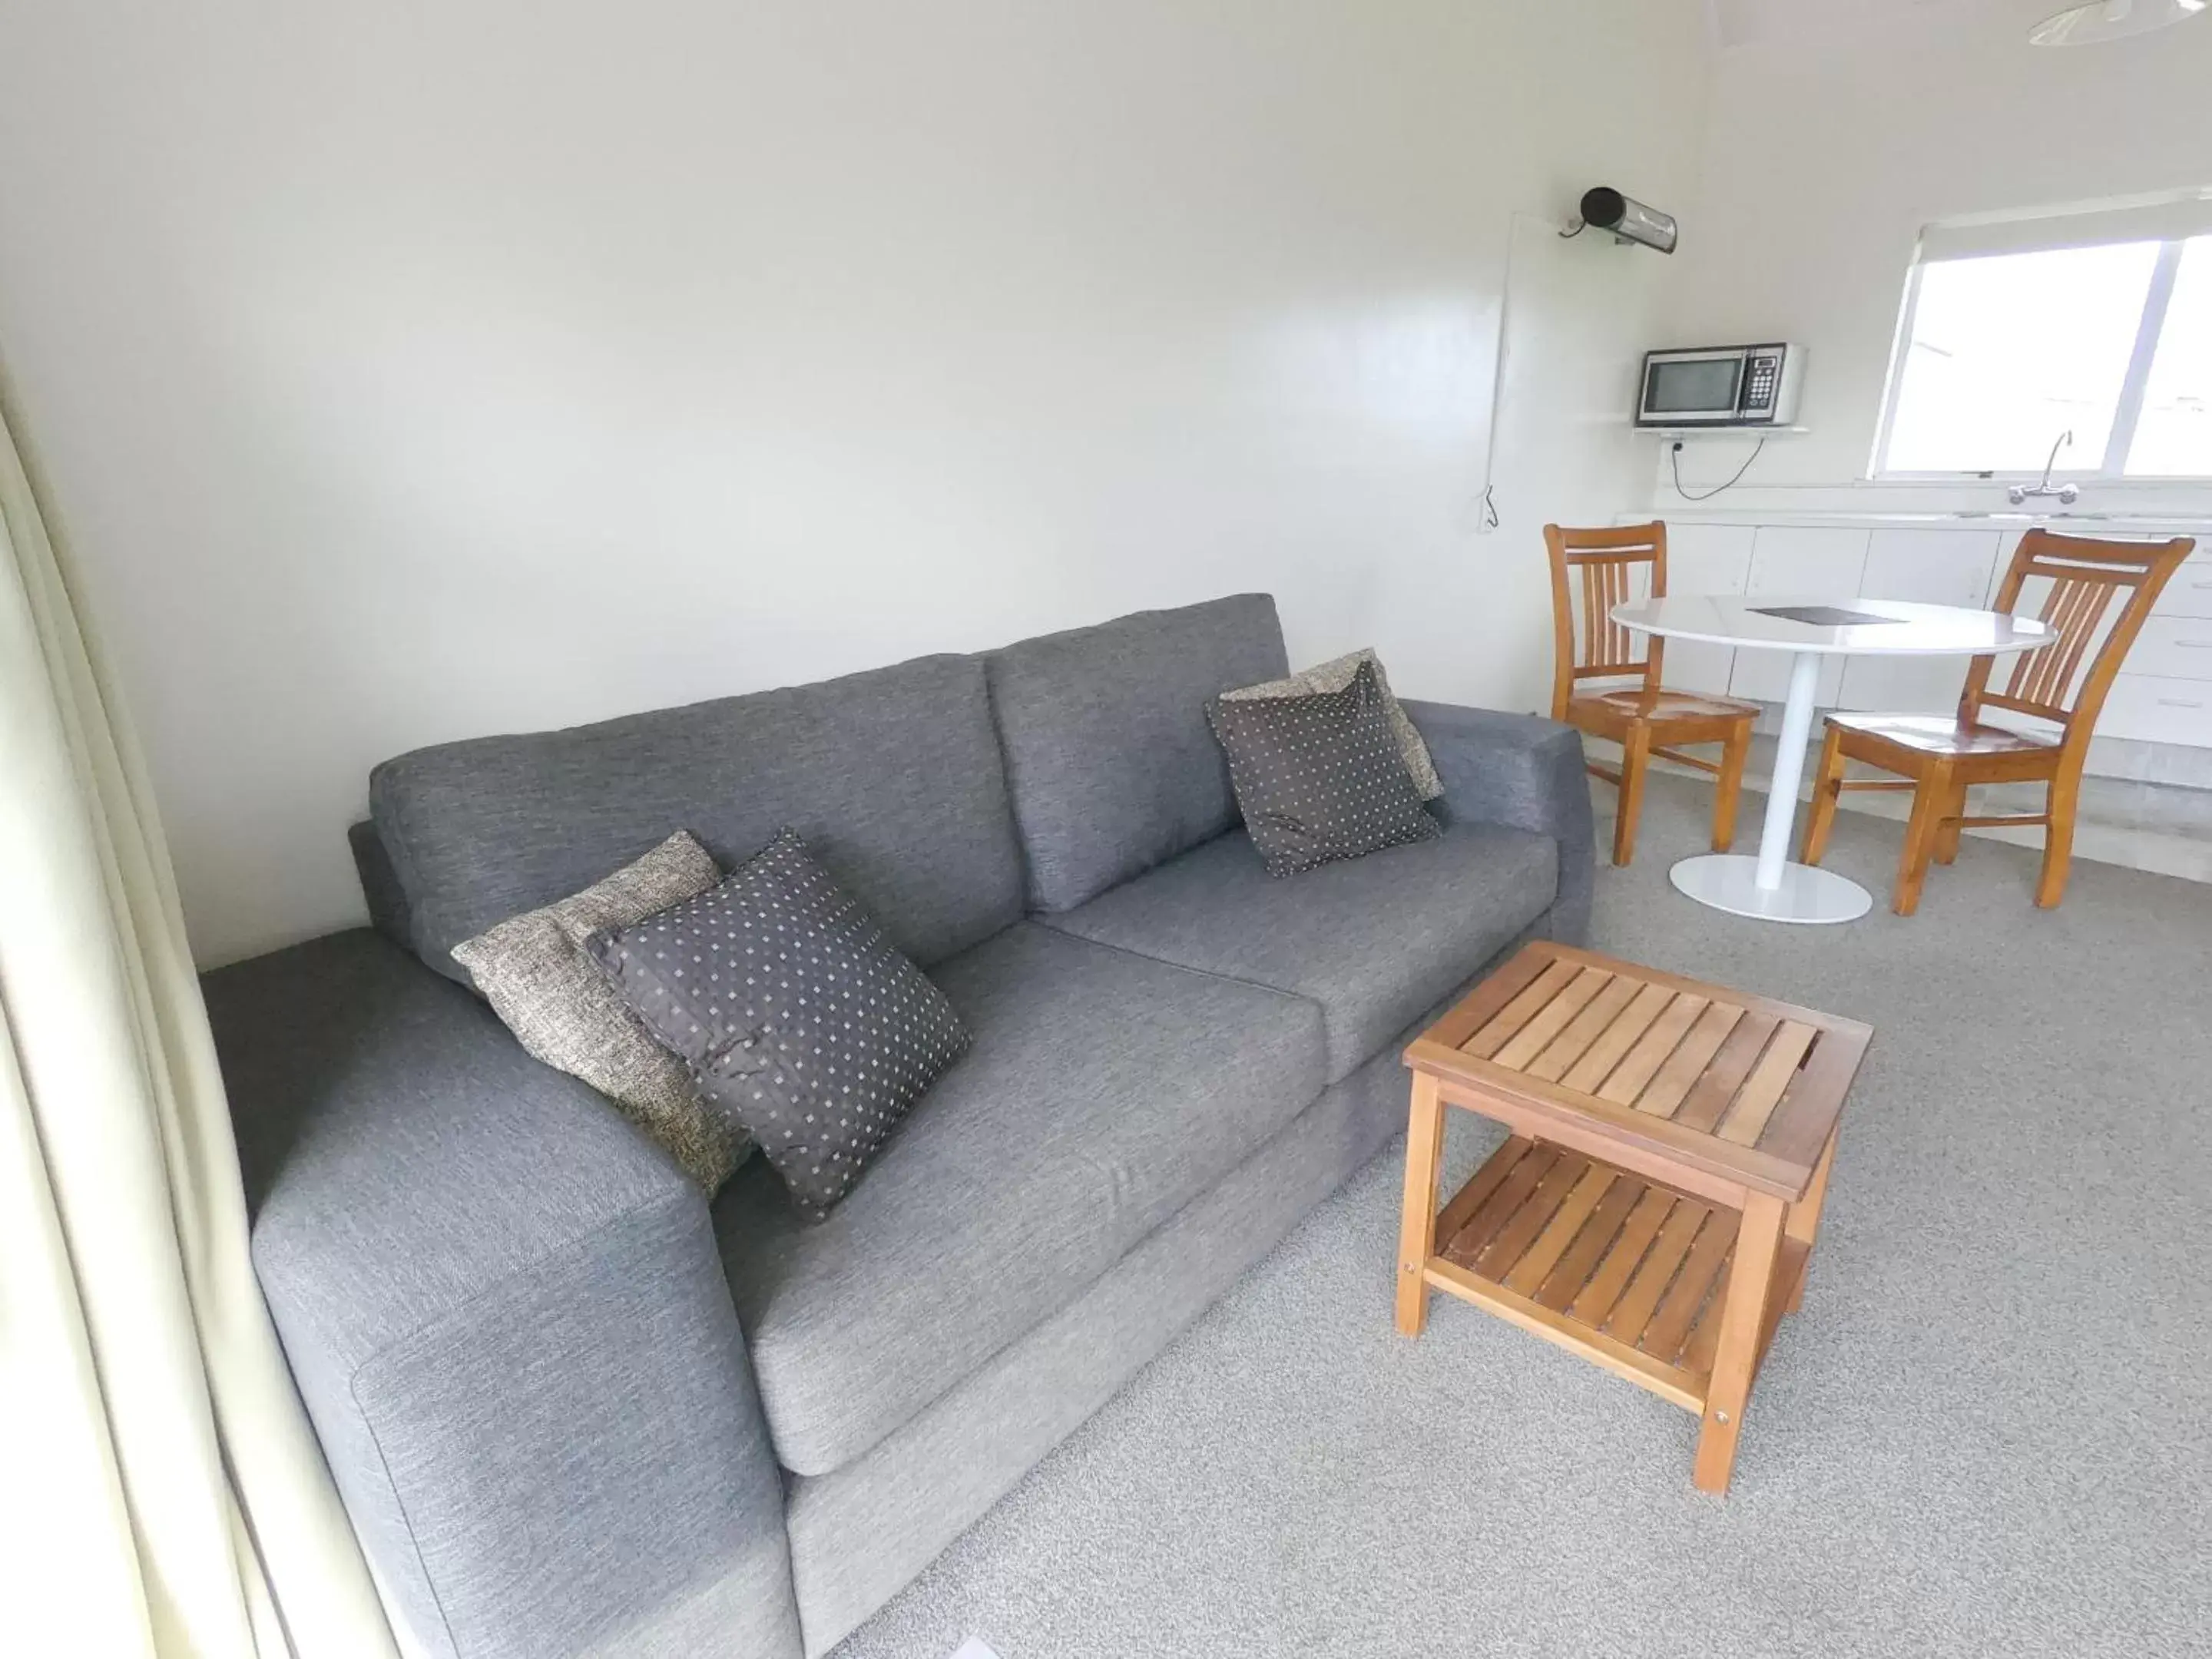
(973, 1648)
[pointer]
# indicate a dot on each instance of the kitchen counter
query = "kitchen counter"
(2007, 519)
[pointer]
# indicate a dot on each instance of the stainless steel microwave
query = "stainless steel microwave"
(1751, 385)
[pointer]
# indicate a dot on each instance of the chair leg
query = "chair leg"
(1635, 756)
(1928, 801)
(1947, 834)
(2058, 839)
(1729, 791)
(1827, 791)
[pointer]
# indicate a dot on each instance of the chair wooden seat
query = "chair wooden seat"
(1945, 734)
(1657, 705)
(1645, 718)
(1939, 759)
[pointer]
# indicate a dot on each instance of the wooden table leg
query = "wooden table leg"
(1804, 1222)
(1750, 1286)
(1417, 1235)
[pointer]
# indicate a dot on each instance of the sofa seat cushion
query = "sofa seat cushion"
(1103, 1092)
(1373, 940)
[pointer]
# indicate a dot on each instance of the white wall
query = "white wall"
(1832, 143)
(405, 373)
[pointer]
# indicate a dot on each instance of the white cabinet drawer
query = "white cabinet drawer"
(1927, 566)
(2152, 709)
(2190, 593)
(1792, 562)
(1704, 558)
(2173, 648)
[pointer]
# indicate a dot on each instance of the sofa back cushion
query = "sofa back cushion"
(1109, 756)
(893, 777)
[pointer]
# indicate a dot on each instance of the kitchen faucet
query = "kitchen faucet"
(2020, 494)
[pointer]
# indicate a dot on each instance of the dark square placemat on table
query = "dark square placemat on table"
(1820, 615)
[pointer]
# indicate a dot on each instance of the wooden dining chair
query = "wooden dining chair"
(1643, 718)
(1939, 757)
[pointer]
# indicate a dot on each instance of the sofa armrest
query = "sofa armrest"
(1525, 772)
(505, 1312)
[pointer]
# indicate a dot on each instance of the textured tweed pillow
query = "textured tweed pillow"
(799, 1020)
(1334, 676)
(1320, 777)
(533, 971)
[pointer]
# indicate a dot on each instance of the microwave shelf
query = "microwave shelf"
(1713, 430)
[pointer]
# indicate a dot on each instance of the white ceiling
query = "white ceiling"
(1742, 23)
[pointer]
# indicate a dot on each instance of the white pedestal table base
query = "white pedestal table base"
(1730, 881)
(1770, 887)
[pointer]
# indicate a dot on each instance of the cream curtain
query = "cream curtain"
(160, 1491)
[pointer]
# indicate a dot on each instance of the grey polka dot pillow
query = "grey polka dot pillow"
(1333, 676)
(1320, 777)
(799, 1020)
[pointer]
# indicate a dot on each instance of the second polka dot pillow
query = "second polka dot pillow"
(1320, 777)
(799, 1020)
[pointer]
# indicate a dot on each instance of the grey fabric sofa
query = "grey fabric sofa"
(572, 1408)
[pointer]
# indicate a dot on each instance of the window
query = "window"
(2016, 332)
(2173, 435)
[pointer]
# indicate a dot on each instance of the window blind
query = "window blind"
(2167, 221)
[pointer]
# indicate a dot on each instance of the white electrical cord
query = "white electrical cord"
(1488, 500)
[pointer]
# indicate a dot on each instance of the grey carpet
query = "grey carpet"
(1989, 1431)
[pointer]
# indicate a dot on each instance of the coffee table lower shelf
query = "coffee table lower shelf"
(1627, 1271)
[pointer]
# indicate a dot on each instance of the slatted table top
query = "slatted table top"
(1727, 1088)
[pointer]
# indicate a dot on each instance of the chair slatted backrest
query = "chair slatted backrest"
(1602, 566)
(2100, 594)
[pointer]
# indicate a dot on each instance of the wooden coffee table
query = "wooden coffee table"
(1657, 1204)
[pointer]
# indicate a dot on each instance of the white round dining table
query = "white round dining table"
(1772, 886)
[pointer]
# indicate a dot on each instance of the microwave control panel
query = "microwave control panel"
(1762, 384)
